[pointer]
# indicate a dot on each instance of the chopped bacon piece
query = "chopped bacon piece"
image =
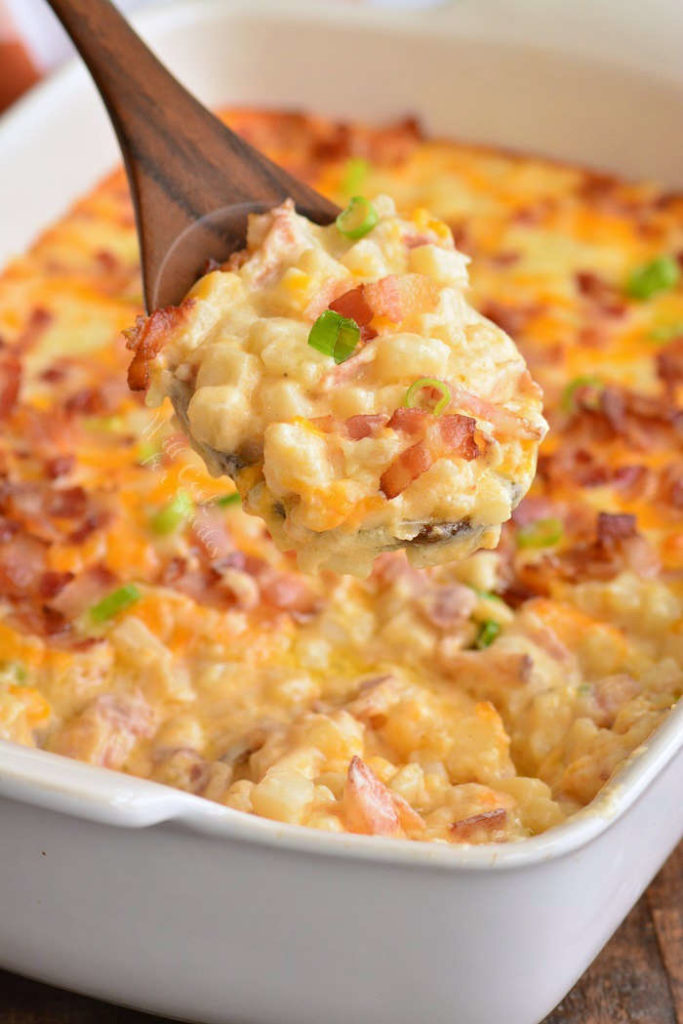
(212, 533)
(447, 607)
(83, 591)
(670, 365)
(22, 564)
(611, 527)
(444, 436)
(513, 320)
(398, 297)
(147, 338)
(354, 305)
(369, 808)
(51, 583)
(289, 593)
(358, 427)
(457, 435)
(10, 381)
(106, 731)
(59, 465)
(604, 295)
(410, 421)
(405, 468)
(487, 822)
(66, 502)
(671, 485)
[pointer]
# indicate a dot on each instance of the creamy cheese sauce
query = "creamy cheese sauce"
(148, 625)
(422, 433)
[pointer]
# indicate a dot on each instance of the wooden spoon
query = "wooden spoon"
(193, 181)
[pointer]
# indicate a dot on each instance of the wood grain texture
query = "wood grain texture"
(637, 979)
(190, 176)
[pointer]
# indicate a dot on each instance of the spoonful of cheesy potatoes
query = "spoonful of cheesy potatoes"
(340, 377)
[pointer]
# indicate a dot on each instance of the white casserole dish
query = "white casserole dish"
(144, 895)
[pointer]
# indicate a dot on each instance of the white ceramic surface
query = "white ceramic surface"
(140, 894)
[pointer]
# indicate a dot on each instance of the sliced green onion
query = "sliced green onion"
(171, 516)
(355, 173)
(584, 689)
(488, 595)
(585, 381)
(334, 335)
(659, 275)
(359, 217)
(487, 634)
(115, 602)
(544, 533)
(228, 499)
(411, 398)
(16, 671)
(666, 332)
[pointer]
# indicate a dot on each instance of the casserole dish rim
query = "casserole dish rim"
(55, 783)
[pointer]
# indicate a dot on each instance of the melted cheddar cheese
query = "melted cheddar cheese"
(148, 625)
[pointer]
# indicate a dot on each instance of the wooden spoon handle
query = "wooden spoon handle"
(182, 162)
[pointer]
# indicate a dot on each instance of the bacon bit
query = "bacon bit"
(405, 468)
(288, 593)
(611, 693)
(51, 583)
(94, 520)
(368, 806)
(22, 564)
(38, 322)
(410, 421)
(66, 503)
(358, 427)
(375, 699)
(148, 337)
(59, 465)
(212, 533)
(534, 507)
(614, 527)
(445, 436)
(670, 366)
(505, 422)
(513, 320)
(448, 607)
(467, 829)
(83, 591)
(398, 297)
(604, 295)
(634, 481)
(10, 381)
(354, 305)
(456, 433)
(105, 732)
(671, 485)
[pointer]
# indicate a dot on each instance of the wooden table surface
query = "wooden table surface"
(637, 979)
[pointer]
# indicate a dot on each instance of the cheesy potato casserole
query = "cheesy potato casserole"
(340, 377)
(148, 625)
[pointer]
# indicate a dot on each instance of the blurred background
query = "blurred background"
(32, 43)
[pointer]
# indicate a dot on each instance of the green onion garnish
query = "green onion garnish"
(355, 173)
(584, 689)
(659, 275)
(334, 335)
(171, 516)
(544, 533)
(487, 634)
(359, 217)
(148, 453)
(666, 332)
(228, 499)
(567, 397)
(411, 399)
(115, 602)
(16, 670)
